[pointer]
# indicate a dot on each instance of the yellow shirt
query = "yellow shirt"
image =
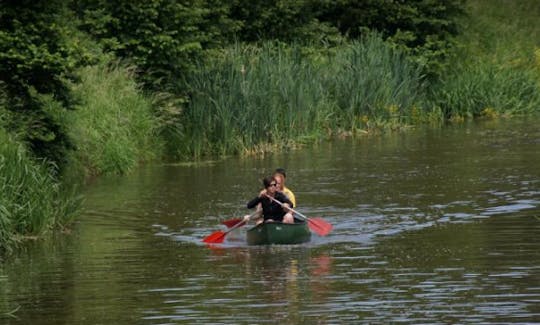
(290, 195)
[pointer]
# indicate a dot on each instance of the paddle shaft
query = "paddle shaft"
(317, 225)
(241, 223)
(282, 204)
(218, 236)
(232, 222)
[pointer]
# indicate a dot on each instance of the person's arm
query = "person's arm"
(285, 200)
(291, 196)
(253, 203)
(255, 215)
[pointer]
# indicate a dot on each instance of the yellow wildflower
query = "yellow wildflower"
(489, 112)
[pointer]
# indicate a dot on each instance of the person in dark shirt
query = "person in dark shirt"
(271, 210)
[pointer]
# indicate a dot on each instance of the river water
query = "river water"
(435, 225)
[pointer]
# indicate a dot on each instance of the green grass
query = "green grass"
(497, 70)
(113, 128)
(252, 96)
(485, 88)
(370, 82)
(32, 200)
(503, 32)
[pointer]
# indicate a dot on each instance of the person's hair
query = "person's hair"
(268, 180)
(281, 171)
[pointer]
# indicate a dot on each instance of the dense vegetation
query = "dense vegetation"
(93, 86)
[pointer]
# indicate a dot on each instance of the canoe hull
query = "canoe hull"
(278, 233)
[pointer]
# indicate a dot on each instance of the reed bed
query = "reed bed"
(371, 82)
(485, 89)
(277, 96)
(253, 99)
(252, 96)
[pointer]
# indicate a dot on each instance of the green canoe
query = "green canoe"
(268, 233)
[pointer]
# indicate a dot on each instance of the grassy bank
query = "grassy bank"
(497, 67)
(484, 89)
(113, 126)
(33, 200)
(252, 99)
(112, 129)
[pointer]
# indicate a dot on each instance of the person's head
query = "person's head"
(280, 177)
(281, 171)
(270, 184)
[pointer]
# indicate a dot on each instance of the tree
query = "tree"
(163, 38)
(35, 60)
(423, 28)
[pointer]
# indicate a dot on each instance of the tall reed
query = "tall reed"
(371, 81)
(277, 95)
(495, 72)
(252, 96)
(32, 200)
(113, 128)
(484, 88)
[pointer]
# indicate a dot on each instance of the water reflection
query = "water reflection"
(274, 280)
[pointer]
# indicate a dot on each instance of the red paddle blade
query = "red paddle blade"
(215, 237)
(232, 222)
(319, 226)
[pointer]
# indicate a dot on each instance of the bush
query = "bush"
(113, 128)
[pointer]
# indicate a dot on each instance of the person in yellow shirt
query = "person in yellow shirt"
(281, 176)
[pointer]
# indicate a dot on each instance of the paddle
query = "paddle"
(317, 225)
(217, 237)
(232, 222)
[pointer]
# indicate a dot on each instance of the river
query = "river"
(432, 225)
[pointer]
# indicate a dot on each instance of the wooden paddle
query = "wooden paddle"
(217, 237)
(318, 225)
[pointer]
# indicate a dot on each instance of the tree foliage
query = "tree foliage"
(37, 55)
(281, 20)
(424, 28)
(163, 38)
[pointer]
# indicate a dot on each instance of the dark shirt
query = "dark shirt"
(271, 209)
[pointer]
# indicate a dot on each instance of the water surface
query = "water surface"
(430, 226)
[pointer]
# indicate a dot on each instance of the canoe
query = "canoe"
(268, 233)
